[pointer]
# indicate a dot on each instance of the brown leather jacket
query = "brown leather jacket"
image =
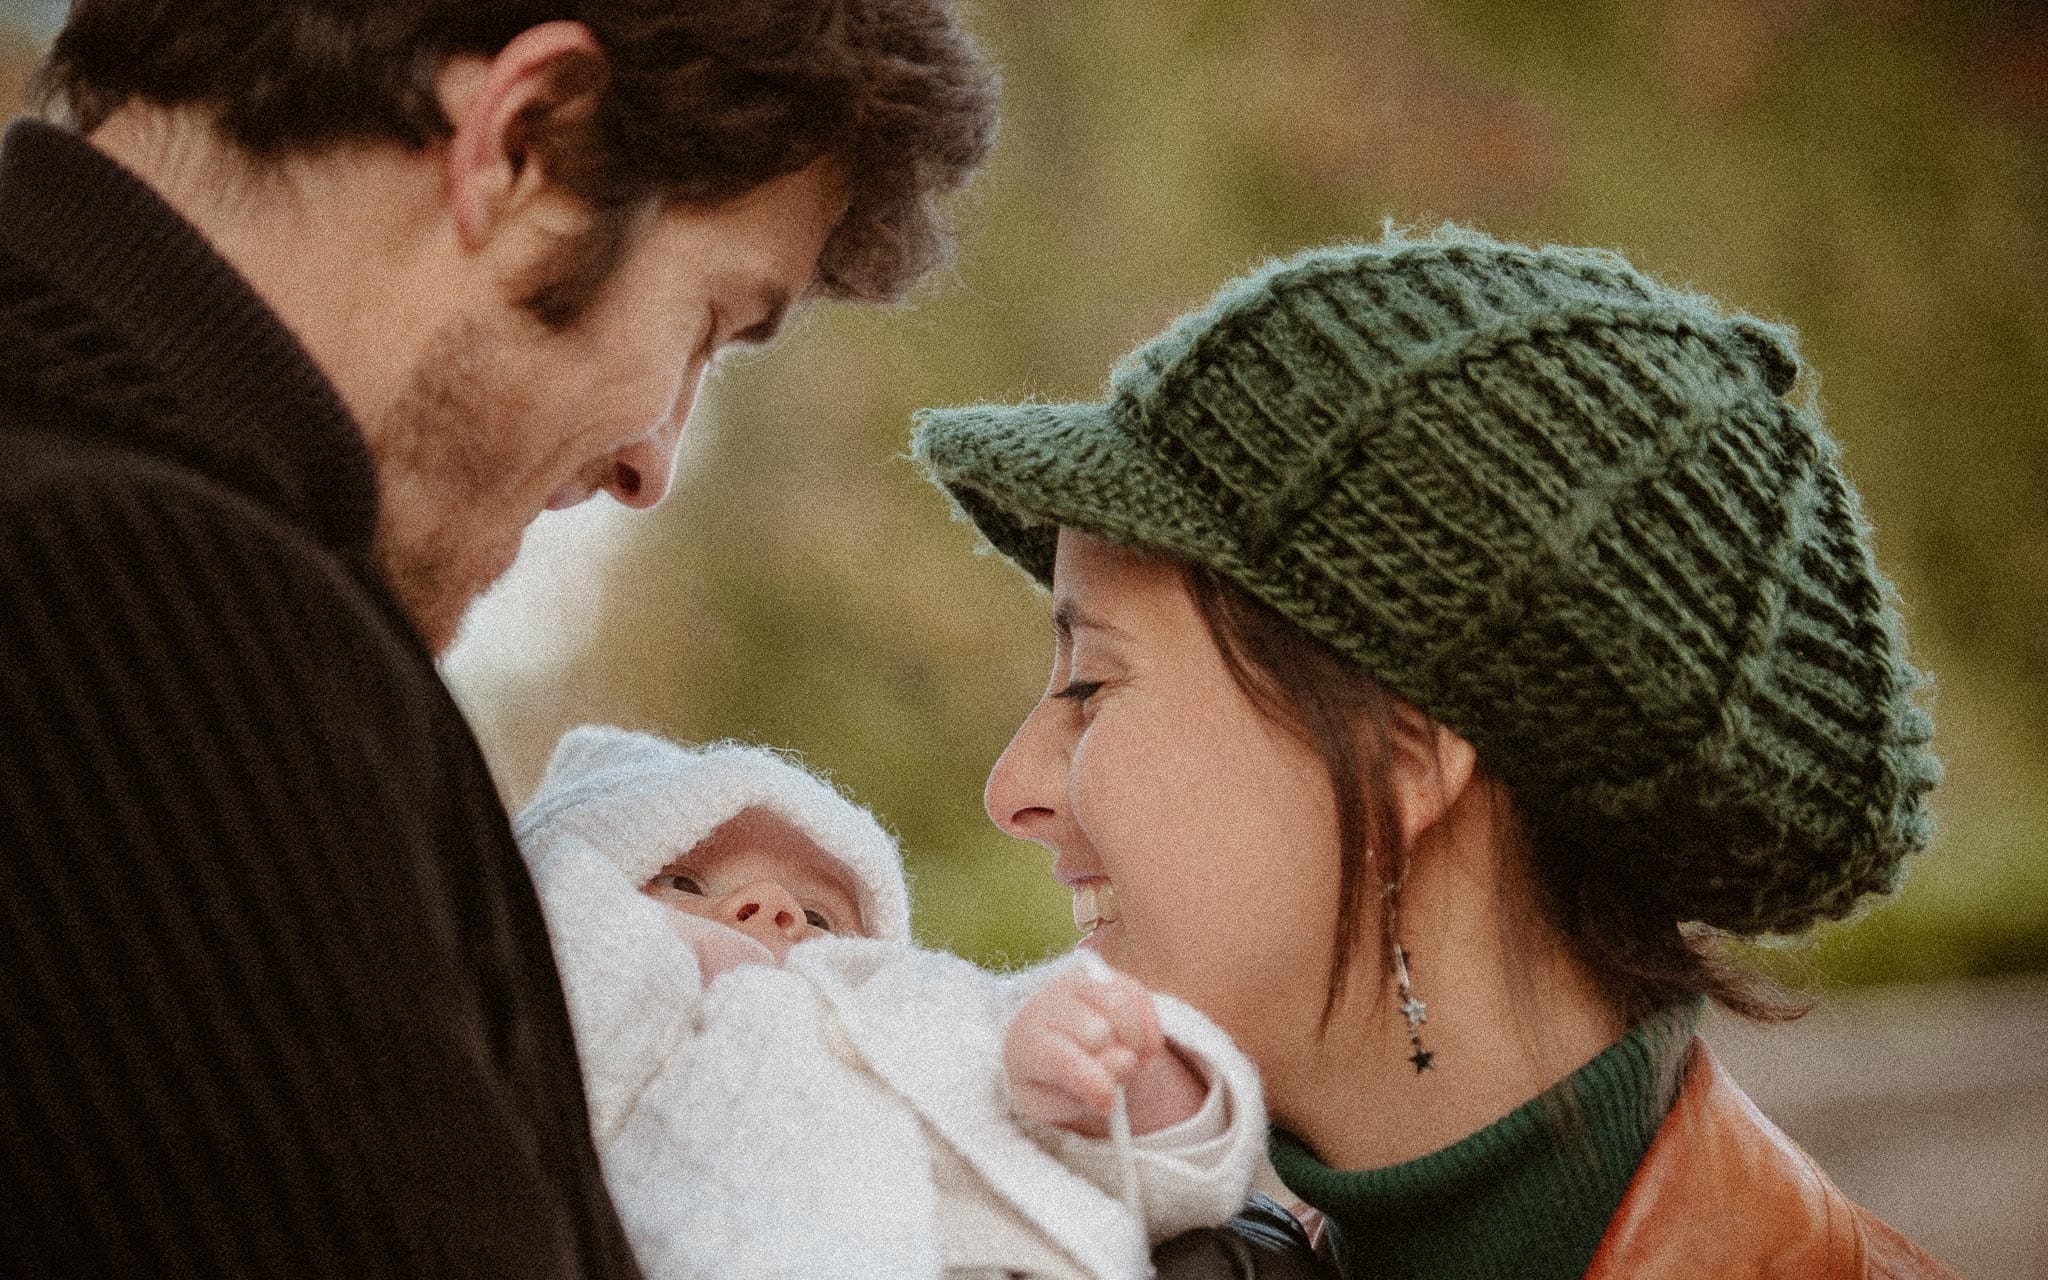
(1724, 1193)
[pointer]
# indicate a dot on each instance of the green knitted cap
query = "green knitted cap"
(1563, 508)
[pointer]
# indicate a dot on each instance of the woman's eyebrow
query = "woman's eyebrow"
(1069, 617)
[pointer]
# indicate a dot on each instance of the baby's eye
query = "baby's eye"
(677, 880)
(817, 920)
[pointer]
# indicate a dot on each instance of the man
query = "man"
(312, 310)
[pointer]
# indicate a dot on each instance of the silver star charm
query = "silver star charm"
(1415, 1011)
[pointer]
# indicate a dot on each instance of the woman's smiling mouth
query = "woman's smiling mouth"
(1095, 904)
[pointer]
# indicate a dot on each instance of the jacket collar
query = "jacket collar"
(258, 414)
(1723, 1192)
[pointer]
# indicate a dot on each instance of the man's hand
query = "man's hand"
(1079, 1038)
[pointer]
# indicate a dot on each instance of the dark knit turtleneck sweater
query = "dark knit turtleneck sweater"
(1526, 1198)
(275, 994)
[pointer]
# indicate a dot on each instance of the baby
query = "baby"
(839, 1102)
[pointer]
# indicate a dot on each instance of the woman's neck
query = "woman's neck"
(1510, 1012)
(1529, 1196)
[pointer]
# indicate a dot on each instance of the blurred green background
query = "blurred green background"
(1874, 172)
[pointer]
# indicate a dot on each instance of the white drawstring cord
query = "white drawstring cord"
(1119, 1113)
(1126, 1154)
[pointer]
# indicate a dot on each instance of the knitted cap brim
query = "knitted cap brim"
(1022, 472)
(1574, 515)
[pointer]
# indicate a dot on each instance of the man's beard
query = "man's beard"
(445, 462)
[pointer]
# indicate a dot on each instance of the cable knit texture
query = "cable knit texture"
(1581, 517)
(277, 996)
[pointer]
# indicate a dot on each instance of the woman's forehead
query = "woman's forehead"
(1117, 591)
(1087, 568)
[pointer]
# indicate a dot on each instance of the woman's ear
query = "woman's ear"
(1429, 766)
(495, 177)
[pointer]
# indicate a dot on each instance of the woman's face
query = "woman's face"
(1145, 768)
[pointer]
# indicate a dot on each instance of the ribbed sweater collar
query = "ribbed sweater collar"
(1529, 1196)
(260, 415)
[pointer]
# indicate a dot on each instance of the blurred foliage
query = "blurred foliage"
(1874, 172)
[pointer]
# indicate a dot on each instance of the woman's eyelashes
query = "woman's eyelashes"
(1079, 691)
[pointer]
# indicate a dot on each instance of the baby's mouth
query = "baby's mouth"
(1095, 904)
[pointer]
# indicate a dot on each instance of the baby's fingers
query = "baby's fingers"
(1126, 1006)
(1060, 1080)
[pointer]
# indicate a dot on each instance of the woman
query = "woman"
(1454, 642)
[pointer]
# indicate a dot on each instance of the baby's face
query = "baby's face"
(761, 877)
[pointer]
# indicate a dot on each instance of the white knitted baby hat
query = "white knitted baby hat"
(643, 801)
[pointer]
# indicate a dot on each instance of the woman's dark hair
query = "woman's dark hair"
(1644, 961)
(694, 103)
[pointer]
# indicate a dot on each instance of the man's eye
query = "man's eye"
(817, 920)
(676, 880)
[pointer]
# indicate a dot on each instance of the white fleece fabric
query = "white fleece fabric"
(643, 800)
(847, 1114)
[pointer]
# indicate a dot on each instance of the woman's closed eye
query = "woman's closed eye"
(1078, 691)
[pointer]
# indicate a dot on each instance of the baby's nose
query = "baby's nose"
(766, 912)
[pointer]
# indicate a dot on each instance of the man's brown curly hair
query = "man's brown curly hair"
(697, 101)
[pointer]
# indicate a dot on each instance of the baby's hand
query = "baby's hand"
(1080, 1037)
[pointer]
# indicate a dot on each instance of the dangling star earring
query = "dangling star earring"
(1415, 1011)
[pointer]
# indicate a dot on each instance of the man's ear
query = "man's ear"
(494, 174)
(1429, 766)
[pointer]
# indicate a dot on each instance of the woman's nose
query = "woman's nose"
(765, 912)
(1022, 788)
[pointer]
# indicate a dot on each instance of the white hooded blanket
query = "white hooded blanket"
(847, 1114)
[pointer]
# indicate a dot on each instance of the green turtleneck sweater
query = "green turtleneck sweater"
(1527, 1197)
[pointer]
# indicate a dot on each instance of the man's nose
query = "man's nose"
(642, 471)
(765, 912)
(1021, 795)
